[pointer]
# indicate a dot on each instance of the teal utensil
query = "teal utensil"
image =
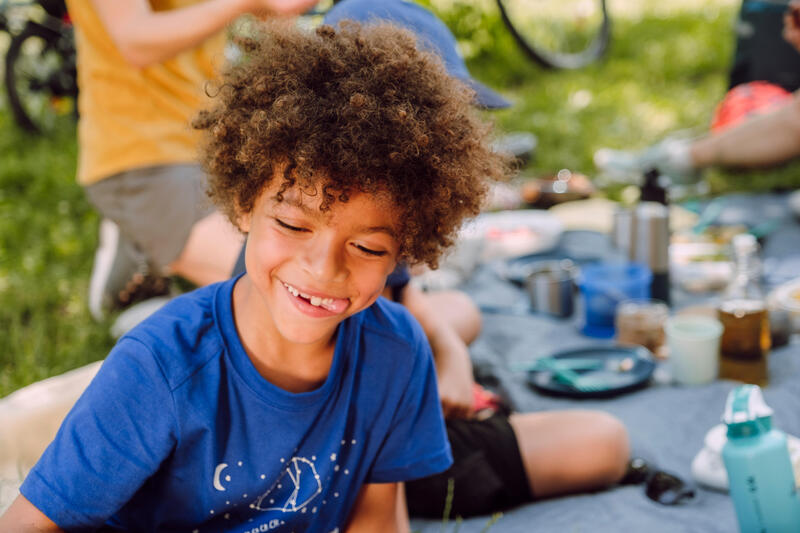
(582, 383)
(547, 363)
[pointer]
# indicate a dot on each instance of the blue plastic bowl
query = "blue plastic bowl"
(604, 286)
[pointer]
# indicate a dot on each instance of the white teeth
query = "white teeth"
(315, 300)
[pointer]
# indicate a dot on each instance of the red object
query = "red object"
(746, 100)
(484, 399)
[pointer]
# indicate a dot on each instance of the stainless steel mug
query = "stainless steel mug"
(551, 287)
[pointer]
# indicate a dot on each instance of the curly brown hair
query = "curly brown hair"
(358, 108)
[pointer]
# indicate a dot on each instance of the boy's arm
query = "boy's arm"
(453, 364)
(145, 37)
(24, 517)
(379, 507)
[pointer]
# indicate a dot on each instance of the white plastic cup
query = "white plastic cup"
(693, 343)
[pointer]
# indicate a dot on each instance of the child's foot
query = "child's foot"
(136, 313)
(121, 275)
(671, 157)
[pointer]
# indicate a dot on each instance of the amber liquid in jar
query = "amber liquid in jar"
(745, 341)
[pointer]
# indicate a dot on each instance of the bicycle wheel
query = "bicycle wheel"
(40, 77)
(563, 34)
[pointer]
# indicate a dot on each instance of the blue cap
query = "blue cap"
(431, 32)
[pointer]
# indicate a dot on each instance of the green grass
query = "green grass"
(47, 239)
(665, 71)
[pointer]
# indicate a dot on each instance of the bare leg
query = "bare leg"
(571, 451)
(403, 523)
(211, 251)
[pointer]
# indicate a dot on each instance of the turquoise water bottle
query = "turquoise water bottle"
(756, 456)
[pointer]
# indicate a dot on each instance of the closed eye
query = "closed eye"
(289, 226)
(370, 251)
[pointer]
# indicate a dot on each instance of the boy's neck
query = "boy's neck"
(290, 366)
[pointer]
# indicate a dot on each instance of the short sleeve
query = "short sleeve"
(416, 445)
(399, 277)
(113, 439)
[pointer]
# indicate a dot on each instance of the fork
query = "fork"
(582, 383)
(548, 363)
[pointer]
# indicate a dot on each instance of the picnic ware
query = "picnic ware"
(642, 322)
(794, 204)
(516, 233)
(551, 287)
(545, 364)
(565, 186)
(621, 229)
(642, 234)
(709, 470)
(619, 369)
(699, 266)
(756, 457)
(787, 297)
(650, 245)
(693, 343)
(604, 286)
(743, 312)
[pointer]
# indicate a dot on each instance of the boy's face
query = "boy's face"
(310, 269)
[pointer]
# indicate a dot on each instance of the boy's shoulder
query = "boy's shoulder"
(392, 322)
(184, 335)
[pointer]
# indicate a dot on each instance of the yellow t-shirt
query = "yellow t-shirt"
(132, 117)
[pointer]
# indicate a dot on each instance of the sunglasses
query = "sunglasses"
(661, 487)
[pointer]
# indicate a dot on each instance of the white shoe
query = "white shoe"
(120, 274)
(133, 315)
(670, 157)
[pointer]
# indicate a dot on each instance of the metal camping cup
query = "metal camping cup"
(650, 245)
(622, 230)
(642, 234)
(551, 287)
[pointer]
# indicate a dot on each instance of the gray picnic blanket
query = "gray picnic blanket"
(666, 423)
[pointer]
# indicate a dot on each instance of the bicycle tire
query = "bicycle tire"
(39, 72)
(554, 34)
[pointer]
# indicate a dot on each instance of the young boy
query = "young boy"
(291, 398)
(499, 461)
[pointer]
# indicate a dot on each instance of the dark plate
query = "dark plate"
(620, 382)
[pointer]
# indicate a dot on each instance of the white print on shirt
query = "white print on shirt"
(297, 485)
(292, 494)
(217, 472)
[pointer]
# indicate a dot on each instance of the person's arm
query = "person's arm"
(145, 37)
(765, 140)
(24, 517)
(453, 364)
(378, 509)
(791, 24)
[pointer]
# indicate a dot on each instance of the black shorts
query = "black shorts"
(487, 472)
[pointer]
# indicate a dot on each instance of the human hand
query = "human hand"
(791, 24)
(455, 393)
(281, 8)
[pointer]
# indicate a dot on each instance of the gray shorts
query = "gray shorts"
(155, 207)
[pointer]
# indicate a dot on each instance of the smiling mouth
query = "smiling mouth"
(331, 304)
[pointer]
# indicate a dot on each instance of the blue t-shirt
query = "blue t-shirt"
(179, 432)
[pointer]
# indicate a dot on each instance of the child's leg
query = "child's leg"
(458, 310)
(570, 451)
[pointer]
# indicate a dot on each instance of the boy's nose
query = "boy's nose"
(324, 260)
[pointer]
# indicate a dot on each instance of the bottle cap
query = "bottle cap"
(746, 413)
(744, 243)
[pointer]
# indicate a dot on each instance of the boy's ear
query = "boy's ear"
(242, 220)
